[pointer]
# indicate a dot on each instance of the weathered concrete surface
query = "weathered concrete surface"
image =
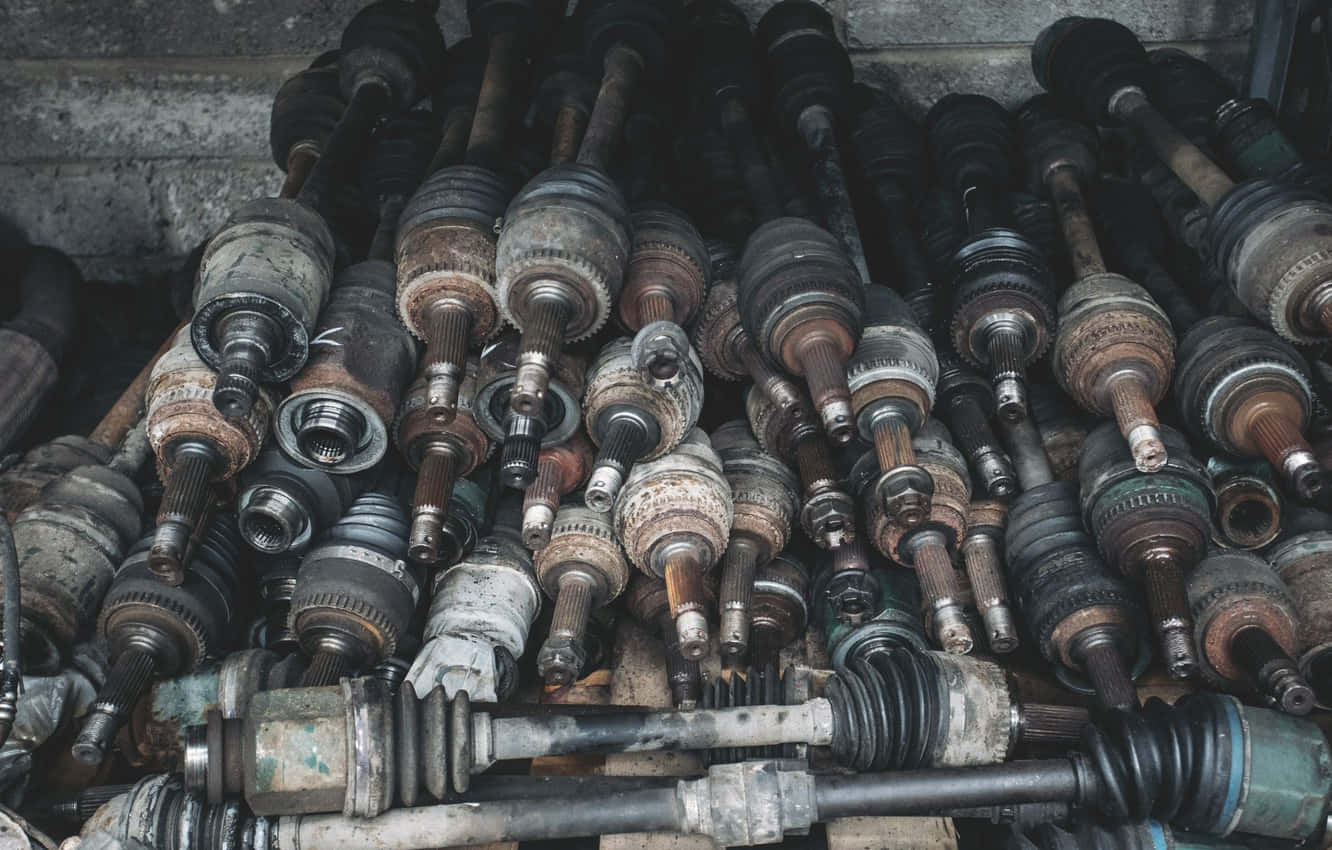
(131, 129)
(58, 28)
(881, 24)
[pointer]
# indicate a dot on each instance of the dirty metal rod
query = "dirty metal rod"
(502, 738)
(519, 819)
(910, 792)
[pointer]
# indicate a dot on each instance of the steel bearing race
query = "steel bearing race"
(1270, 240)
(446, 248)
(274, 256)
(569, 225)
(495, 378)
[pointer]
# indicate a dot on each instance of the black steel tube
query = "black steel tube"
(910, 792)
(501, 820)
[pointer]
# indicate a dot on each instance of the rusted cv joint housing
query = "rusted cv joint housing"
(446, 272)
(632, 421)
(764, 492)
(342, 403)
(665, 284)
(1003, 314)
(803, 303)
(674, 518)
(1302, 558)
(582, 568)
(1114, 354)
(892, 377)
(827, 511)
(1248, 630)
(262, 281)
(195, 445)
(726, 348)
(779, 609)
(930, 546)
(1153, 528)
(1245, 390)
(560, 263)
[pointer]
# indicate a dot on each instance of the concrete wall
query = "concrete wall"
(130, 129)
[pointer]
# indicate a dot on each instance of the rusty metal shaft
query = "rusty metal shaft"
(301, 160)
(1169, 607)
(1281, 442)
(445, 356)
(561, 657)
(825, 373)
(540, 500)
(941, 592)
(570, 124)
(984, 565)
(430, 505)
(1079, 234)
(1109, 675)
(751, 161)
(819, 133)
(776, 386)
(737, 594)
(1137, 421)
(1188, 162)
(453, 138)
(542, 340)
(184, 502)
(622, 69)
(494, 104)
(686, 595)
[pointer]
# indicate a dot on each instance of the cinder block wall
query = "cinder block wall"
(128, 130)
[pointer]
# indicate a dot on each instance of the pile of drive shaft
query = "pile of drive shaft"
(642, 320)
